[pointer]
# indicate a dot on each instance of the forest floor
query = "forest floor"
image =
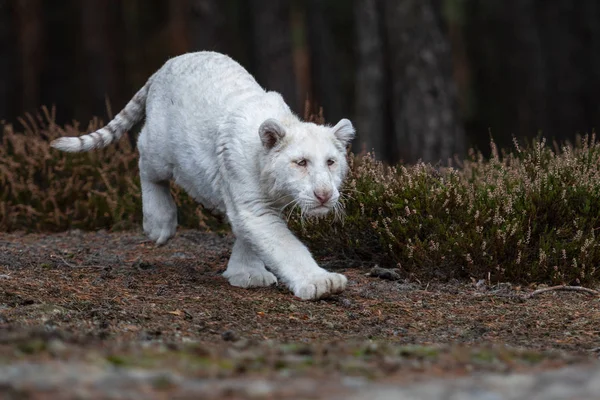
(110, 315)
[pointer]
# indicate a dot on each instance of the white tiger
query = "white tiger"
(238, 149)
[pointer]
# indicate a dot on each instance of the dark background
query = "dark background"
(419, 78)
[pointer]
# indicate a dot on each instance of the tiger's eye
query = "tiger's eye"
(330, 162)
(301, 163)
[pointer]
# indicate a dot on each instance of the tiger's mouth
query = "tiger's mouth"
(318, 211)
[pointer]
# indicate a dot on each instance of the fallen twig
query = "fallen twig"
(77, 266)
(527, 296)
(589, 291)
(67, 263)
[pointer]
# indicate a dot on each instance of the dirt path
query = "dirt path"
(110, 310)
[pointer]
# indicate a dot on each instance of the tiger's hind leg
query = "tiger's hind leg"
(158, 206)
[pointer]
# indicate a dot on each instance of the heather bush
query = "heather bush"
(42, 189)
(529, 215)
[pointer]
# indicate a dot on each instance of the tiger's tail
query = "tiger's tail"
(133, 112)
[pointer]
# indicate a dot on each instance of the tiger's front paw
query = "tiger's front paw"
(250, 278)
(319, 285)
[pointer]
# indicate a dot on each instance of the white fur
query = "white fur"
(238, 149)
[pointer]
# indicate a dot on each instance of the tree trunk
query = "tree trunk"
(571, 49)
(179, 15)
(371, 113)
(273, 48)
(61, 42)
(424, 106)
(100, 47)
(29, 34)
(8, 55)
(325, 72)
(206, 22)
(507, 62)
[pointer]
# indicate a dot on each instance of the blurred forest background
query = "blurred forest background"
(420, 79)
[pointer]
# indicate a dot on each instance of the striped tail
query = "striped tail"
(132, 113)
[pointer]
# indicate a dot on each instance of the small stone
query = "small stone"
(241, 344)
(56, 347)
(481, 285)
(229, 336)
(259, 389)
(354, 382)
(345, 302)
(75, 233)
(384, 273)
(179, 255)
(593, 385)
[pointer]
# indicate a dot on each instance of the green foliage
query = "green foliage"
(530, 215)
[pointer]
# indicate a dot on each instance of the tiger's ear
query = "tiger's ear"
(271, 132)
(344, 131)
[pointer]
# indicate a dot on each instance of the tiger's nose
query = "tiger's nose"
(323, 195)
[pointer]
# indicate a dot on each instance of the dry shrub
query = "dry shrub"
(44, 189)
(527, 216)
